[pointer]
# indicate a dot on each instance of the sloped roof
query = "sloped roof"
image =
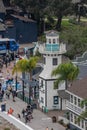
(79, 88)
(23, 18)
(63, 94)
(2, 8)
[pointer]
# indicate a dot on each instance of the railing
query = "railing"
(61, 48)
(74, 108)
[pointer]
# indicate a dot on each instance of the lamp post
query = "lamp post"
(16, 82)
(29, 93)
(23, 89)
(23, 82)
(16, 79)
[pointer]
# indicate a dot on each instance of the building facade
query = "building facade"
(77, 92)
(52, 52)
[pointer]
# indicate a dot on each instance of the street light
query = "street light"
(16, 81)
(23, 89)
(16, 78)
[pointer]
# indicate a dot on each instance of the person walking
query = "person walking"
(13, 95)
(47, 128)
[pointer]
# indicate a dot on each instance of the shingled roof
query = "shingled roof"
(79, 88)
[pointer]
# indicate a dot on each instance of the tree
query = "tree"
(84, 113)
(59, 8)
(80, 9)
(75, 37)
(36, 10)
(65, 72)
(26, 65)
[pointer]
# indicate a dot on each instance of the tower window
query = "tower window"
(54, 61)
(49, 40)
(53, 40)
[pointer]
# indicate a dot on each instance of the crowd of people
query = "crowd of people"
(27, 113)
(7, 92)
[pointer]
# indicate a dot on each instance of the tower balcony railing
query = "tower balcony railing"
(72, 107)
(52, 48)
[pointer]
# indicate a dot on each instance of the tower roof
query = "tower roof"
(52, 33)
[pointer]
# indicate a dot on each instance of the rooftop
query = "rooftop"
(79, 88)
(52, 33)
(26, 19)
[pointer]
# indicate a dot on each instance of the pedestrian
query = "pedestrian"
(10, 111)
(23, 112)
(51, 128)
(19, 116)
(8, 93)
(13, 95)
(26, 118)
(47, 128)
(2, 93)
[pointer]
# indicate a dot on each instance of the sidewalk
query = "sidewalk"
(40, 121)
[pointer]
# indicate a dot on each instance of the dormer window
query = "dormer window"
(54, 41)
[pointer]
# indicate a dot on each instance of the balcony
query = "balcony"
(74, 108)
(52, 49)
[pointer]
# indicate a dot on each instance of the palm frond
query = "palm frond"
(67, 71)
(57, 82)
(82, 116)
(83, 103)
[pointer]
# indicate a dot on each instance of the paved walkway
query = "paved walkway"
(40, 121)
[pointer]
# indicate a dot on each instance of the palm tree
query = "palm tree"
(26, 66)
(83, 115)
(65, 72)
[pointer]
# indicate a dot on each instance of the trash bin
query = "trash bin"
(53, 119)
(3, 107)
(46, 110)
